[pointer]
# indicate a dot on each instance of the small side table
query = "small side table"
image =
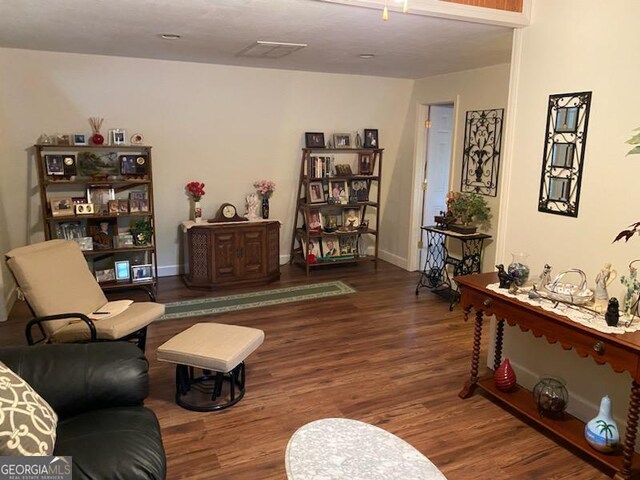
(434, 274)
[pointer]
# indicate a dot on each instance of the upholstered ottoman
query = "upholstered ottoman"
(219, 351)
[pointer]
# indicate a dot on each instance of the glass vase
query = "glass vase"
(197, 212)
(265, 207)
(551, 396)
(518, 269)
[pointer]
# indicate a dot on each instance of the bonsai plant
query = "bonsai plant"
(468, 208)
(141, 231)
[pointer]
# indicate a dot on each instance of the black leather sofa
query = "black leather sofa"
(97, 390)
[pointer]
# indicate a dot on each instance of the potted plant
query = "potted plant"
(141, 231)
(467, 209)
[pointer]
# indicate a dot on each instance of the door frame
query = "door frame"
(419, 163)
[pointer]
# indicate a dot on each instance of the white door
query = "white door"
(438, 165)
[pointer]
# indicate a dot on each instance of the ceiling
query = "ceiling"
(215, 31)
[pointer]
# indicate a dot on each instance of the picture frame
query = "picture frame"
(351, 218)
(342, 140)
(84, 208)
(123, 206)
(316, 192)
(61, 206)
(123, 240)
(314, 139)
(134, 206)
(100, 195)
(365, 164)
(85, 243)
(313, 248)
(359, 190)
(54, 165)
(137, 195)
(348, 245)
(331, 221)
(117, 136)
(343, 170)
(63, 139)
(133, 165)
(141, 273)
(123, 272)
(80, 139)
(107, 275)
(314, 222)
(330, 246)
(371, 138)
(113, 207)
(144, 205)
(338, 190)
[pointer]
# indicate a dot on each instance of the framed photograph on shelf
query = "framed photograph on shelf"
(331, 221)
(113, 207)
(313, 248)
(86, 243)
(314, 223)
(371, 138)
(338, 190)
(54, 165)
(314, 139)
(122, 271)
(117, 136)
(359, 191)
(123, 206)
(348, 245)
(330, 246)
(138, 195)
(134, 206)
(108, 275)
(365, 164)
(141, 273)
(64, 139)
(61, 206)
(342, 140)
(351, 218)
(100, 195)
(123, 240)
(133, 165)
(80, 139)
(343, 170)
(316, 192)
(144, 205)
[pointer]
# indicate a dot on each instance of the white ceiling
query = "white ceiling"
(215, 31)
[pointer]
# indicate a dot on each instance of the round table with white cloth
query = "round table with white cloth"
(344, 449)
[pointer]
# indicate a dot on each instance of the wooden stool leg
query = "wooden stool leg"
(470, 385)
(630, 434)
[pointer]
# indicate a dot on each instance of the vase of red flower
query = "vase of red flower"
(265, 189)
(195, 191)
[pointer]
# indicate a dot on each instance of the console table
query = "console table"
(620, 352)
(434, 274)
(231, 253)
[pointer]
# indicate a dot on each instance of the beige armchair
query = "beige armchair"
(62, 293)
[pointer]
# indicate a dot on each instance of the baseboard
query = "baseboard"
(8, 303)
(394, 259)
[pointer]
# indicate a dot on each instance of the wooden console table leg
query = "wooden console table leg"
(630, 434)
(470, 385)
(497, 357)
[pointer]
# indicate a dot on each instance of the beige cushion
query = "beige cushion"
(135, 317)
(212, 346)
(27, 422)
(55, 278)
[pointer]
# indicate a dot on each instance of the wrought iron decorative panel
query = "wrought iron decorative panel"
(481, 155)
(563, 160)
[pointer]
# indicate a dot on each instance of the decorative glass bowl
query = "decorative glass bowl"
(551, 396)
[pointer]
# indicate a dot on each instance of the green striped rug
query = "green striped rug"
(231, 303)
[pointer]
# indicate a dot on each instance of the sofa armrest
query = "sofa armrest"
(76, 378)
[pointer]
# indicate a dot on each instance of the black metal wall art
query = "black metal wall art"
(481, 155)
(563, 160)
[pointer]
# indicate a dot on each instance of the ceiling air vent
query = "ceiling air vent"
(262, 49)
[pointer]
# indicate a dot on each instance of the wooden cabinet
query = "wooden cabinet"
(337, 207)
(231, 253)
(96, 195)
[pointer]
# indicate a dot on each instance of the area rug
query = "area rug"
(344, 449)
(231, 303)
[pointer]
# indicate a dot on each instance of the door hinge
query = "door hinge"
(424, 186)
(427, 124)
(420, 244)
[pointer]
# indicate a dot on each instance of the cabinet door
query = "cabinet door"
(253, 252)
(225, 258)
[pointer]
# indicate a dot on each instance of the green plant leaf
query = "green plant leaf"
(635, 140)
(635, 151)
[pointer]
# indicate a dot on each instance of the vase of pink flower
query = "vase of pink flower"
(265, 189)
(195, 191)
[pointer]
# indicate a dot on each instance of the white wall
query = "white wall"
(575, 46)
(479, 89)
(225, 126)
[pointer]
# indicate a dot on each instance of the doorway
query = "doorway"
(436, 171)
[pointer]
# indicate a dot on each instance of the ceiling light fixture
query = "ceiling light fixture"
(170, 36)
(385, 11)
(366, 55)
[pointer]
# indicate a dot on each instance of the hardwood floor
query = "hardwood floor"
(382, 356)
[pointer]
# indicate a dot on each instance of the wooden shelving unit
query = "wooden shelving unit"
(302, 235)
(77, 185)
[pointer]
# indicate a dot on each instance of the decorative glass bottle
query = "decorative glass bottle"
(602, 431)
(265, 206)
(518, 269)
